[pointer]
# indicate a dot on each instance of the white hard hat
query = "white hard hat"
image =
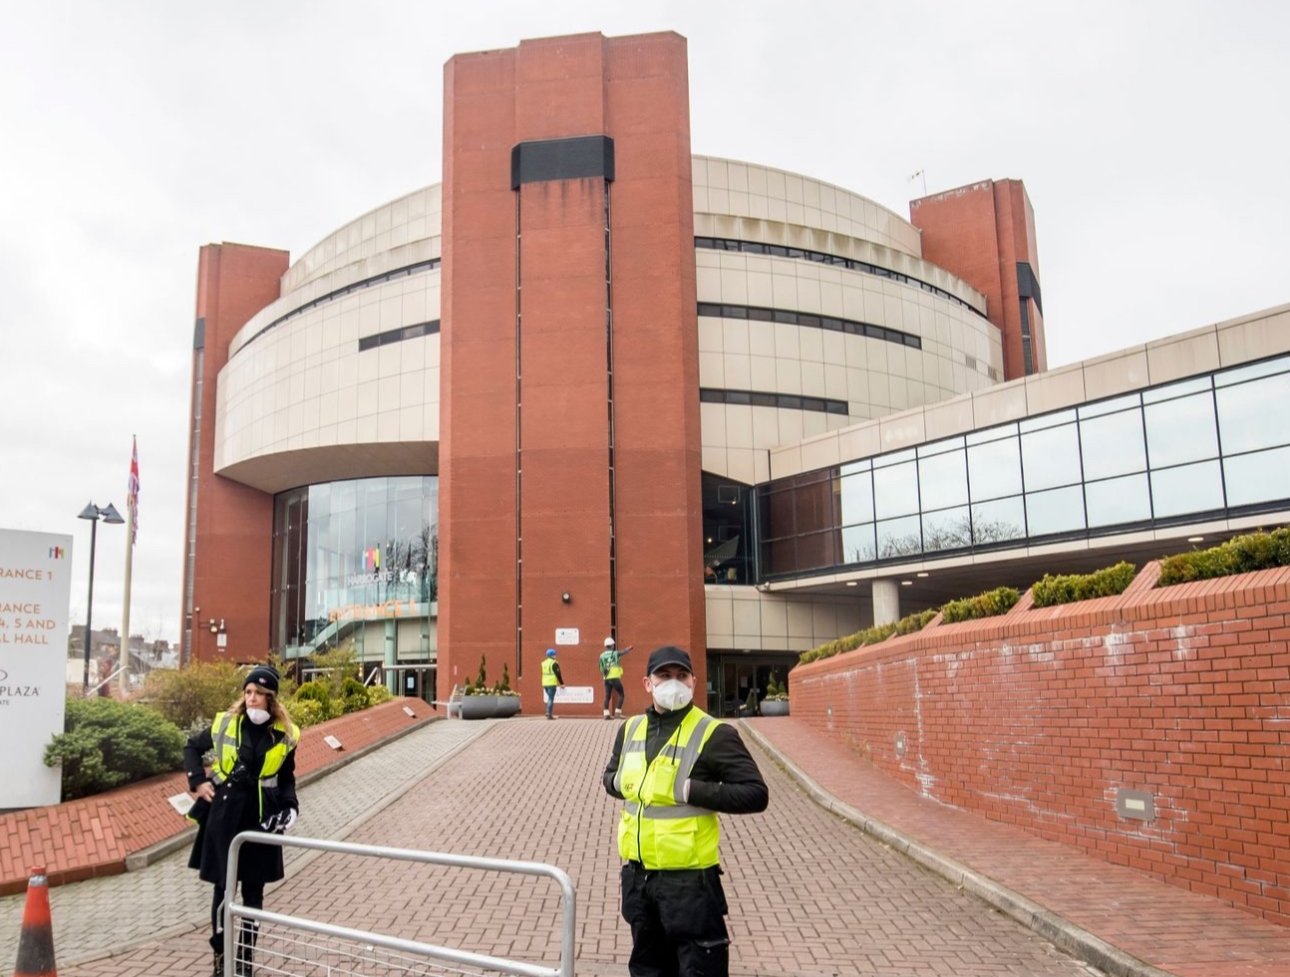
(609, 642)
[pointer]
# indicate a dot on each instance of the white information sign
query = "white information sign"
(566, 636)
(35, 588)
(575, 693)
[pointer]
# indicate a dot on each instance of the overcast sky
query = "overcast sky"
(1151, 137)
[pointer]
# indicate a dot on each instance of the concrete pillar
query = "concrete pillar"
(886, 602)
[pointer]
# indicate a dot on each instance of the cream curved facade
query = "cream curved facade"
(299, 403)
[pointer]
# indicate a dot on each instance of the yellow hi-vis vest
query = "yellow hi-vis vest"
(657, 828)
(225, 734)
(548, 673)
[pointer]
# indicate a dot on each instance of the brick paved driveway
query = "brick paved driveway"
(810, 895)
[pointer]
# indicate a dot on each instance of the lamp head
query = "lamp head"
(111, 516)
(91, 511)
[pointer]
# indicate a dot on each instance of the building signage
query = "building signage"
(35, 588)
(566, 636)
(575, 693)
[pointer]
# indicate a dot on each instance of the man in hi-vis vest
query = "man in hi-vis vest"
(676, 768)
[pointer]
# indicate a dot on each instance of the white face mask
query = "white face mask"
(257, 716)
(672, 694)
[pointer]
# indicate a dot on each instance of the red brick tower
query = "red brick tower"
(985, 234)
(569, 330)
(230, 524)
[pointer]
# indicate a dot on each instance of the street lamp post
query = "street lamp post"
(109, 515)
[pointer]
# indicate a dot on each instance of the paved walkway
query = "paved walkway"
(810, 894)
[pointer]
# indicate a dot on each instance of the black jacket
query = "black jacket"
(725, 777)
(236, 807)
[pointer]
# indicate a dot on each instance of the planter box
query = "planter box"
(489, 706)
(774, 707)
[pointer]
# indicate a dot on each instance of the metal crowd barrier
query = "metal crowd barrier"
(296, 947)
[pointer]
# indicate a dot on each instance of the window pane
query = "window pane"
(895, 490)
(1113, 445)
(1181, 430)
(1118, 500)
(1260, 477)
(899, 537)
(817, 550)
(1191, 488)
(813, 505)
(857, 499)
(858, 544)
(1056, 511)
(1050, 458)
(948, 529)
(1253, 415)
(942, 480)
(993, 522)
(994, 469)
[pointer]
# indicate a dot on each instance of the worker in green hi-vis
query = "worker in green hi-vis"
(611, 670)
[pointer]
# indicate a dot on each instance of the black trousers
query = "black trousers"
(614, 686)
(678, 922)
(252, 895)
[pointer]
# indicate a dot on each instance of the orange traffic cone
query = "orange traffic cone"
(36, 941)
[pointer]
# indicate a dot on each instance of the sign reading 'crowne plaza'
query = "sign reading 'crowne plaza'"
(35, 586)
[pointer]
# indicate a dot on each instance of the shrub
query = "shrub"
(503, 686)
(1241, 554)
(869, 636)
(774, 691)
(990, 604)
(194, 692)
(750, 703)
(377, 694)
(333, 668)
(307, 712)
(1071, 587)
(314, 692)
(108, 743)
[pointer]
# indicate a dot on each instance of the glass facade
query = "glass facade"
(1203, 447)
(353, 552)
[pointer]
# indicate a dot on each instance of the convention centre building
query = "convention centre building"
(592, 385)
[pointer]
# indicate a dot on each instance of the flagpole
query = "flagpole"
(123, 669)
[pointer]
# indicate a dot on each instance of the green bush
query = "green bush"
(990, 604)
(1241, 554)
(108, 743)
(333, 667)
(1071, 587)
(869, 636)
(377, 694)
(354, 695)
(775, 692)
(194, 692)
(307, 712)
(314, 692)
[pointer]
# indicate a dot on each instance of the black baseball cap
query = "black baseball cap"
(668, 655)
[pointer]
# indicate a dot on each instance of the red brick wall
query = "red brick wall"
(234, 522)
(1039, 717)
(635, 90)
(979, 233)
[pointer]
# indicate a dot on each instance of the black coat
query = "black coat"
(236, 807)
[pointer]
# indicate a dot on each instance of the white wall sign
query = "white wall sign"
(35, 587)
(566, 636)
(575, 693)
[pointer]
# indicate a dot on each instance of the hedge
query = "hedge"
(1241, 554)
(869, 636)
(1071, 587)
(990, 604)
(108, 743)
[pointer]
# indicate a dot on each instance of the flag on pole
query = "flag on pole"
(132, 496)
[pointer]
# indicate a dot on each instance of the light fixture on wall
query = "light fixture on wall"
(566, 597)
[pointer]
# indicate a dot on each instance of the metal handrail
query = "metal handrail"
(233, 909)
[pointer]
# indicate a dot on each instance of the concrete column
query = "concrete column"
(886, 602)
(392, 678)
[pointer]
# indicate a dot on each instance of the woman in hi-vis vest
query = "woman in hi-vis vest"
(250, 786)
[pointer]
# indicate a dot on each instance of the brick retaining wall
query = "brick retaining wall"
(1039, 717)
(93, 836)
